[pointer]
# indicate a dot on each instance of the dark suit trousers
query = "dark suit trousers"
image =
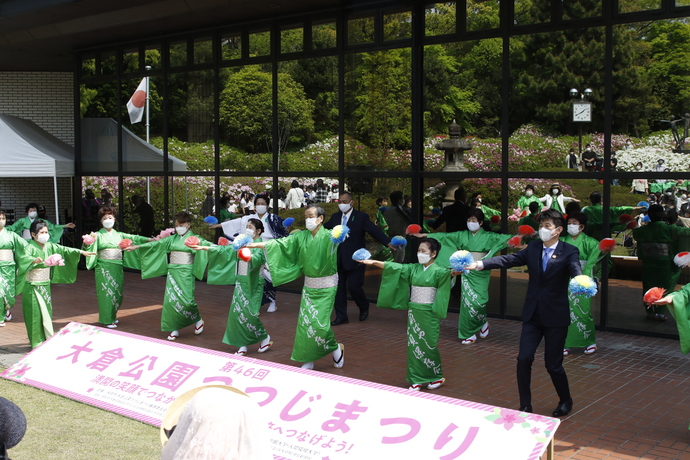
(532, 333)
(354, 281)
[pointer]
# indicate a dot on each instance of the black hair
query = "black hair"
(434, 245)
(476, 212)
(105, 210)
(595, 197)
(460, 194)
(37, 225)
(262, 196)
(656, 213)
(529, 187)
(349, 195)
(380, 200)
(31, 205)
(580, 217)
(294, 184)
(554, 215)
(534, 207)
(183, 217)
(571, 207)
(257, 224)
(396, 197)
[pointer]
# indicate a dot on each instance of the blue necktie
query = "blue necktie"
(545, 259)
(345, 220)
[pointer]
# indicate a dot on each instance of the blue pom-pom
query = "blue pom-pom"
(645, 219)
(361, 254)
(583, 285)
(241, 241)
(460, 260)
(289, 221)
(643, 204)
(211, 220)
(435, 211)
(339, 233)
(399, 241)
(383, 209)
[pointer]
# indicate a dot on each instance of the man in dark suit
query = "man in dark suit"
(454, 215)
(351, 273)
(545, 313)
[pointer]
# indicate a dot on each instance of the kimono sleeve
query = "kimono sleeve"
(499, 242)
(282, 256)
(201, 260)
(93, 247)
(593, 254)
(65, 274)
(450, 242)
(132, 259)
(154, 257)
(222, 263)
(680, 309)
(55, 231)
(440, 305)
(394, 292)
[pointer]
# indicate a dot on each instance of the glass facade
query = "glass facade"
(363, 98)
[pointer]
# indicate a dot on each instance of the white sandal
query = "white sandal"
(173, 335)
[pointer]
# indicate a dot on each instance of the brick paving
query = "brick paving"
(632, 397)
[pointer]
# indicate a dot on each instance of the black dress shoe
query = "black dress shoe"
(339, 321)
(563, 408)
(363, 315)
(526, 409)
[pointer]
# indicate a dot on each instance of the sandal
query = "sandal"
(415, 387)
(173, 335)
(484, 331)
(264, 348)
(566, 352)
(436, 384)
(590, 349)
(338, 363)
(8, 316)
(242, 351)
(199, 327)
(469, 340)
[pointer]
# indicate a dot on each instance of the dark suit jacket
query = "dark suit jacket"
(455, 217)
(359, 224)
(547, 292)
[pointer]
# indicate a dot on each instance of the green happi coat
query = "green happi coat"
(423, 320)
(524, 202)
(36, 299)
(109, 273)
(680, 309)
(24, 223)
(8, 269)
(244, 326)
(581, 329)
(475, 284)
(314, 257)
(179, 306)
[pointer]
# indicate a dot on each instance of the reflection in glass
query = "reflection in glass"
(260, 44)
(581, 9)
(203, 51)
(178, 54)
(105, 190)
(482, 15)
(152, 56)
(323, 35)
(440, 19)
(532, 12)
(88, 66)
(360, 30)
(292, 40)
(130, 61)
(397, 25)
(188, 194)
(231, 47)
(108, 63)
(630, 6)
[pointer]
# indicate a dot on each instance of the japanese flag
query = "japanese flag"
(137, 103)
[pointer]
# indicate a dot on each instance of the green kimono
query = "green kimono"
(109, 271)
(244, 326)
(226, 215)
(475, 284)
(680, 309)
(25, 224)
(657, 245)
(11, 249)
(36, 299)
(529, 220)
(581, 329)
(381, 221)
(595, 219)
(524, 202)
(489, 212)
(315, 257)
(179, 306)
(423, 319)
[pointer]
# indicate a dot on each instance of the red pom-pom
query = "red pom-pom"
(607, 244)
(192, 241)
(524, 213)
(125, 243)
(515, 241)
(653, 295)
(244, 254)
(525, 230)
(413, 228)
(625, 218)
(222, 241)
(682, 259)
(632, 224)
(495, 219)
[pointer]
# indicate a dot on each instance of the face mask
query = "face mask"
(311, 223)
(108, 223)
(261, 209)
(181, 230)
(43, 238)
(638, 167)
(479, 200)
(573, 229)
(473, 226)
(661, 162)
(528, 193)
(669, 193)
(249, 231)
(423, 258)
(587, 149)
(344, 207)
(545, 234)
(33, 214)
(554, 191)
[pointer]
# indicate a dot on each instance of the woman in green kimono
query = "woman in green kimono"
(179, 305)
(527, 198)
(109, 265)
(423, 290)
(472, 319)
(22, 226)
(244, 326)
(11, 248)
(310, 253)
(581, 329)
(35, 278)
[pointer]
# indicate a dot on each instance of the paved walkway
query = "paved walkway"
(632, 397)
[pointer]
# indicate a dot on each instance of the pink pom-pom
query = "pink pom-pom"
(495, 219)
(192, 241)
(515, 241)
(682, 259)
(88, 239)
(125, 243)
(53, 260)
(513, 218)
(222, 241)
(607, 245)
(624, 218)
(244, 254)
(525, 230)
(653, 295)
(413, 228)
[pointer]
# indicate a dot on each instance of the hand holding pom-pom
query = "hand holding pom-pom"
(460, 260)
(361, 254)
(192, 241)
(643, 204)
(607, 245)
(241, 241)
(89, 239)
(289, 221)
(53, 260)
(413, 228)
(515, 242)
(583, 285)
(244, 254)
(339, 233)
(682, 259)
(211, 220)
(125, 243)
(653, 295)
(222, 241)
(525, 230)
(399, 241)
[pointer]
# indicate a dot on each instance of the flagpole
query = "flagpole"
(148, 91)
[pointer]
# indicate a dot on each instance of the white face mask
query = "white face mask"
(638, 167)
(683, 196)
(573, 229)
(669, 193)
(545, 234)
(249, 231)
(43, 238)
(479, 200)
(108, 223)
(473, 226)
(33, 214)
(554, 191)
(528, 193)
(181, 230)
(311, 223)
(261, 209)
(423, 258)
(344, 207)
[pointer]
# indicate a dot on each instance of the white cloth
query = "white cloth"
(217, 424)
(295, 198)
(235, 226)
